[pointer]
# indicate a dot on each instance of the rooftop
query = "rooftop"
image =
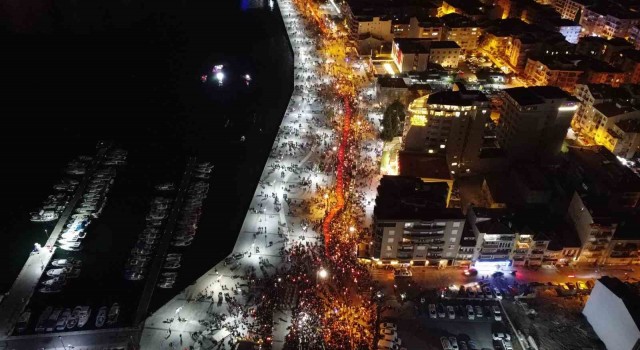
(444, 44)
(629, 125)
(388, 81)
(455, 20)
(411, 45)
(423, 165)
(410, 198)
(456, 98)
(535, 95)
(607, 92)
(599, 164)
(612, 109)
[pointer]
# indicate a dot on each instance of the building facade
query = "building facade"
(534, 121)
(412, 224)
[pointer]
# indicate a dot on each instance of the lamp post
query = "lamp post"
(61, 342)
(326, 206)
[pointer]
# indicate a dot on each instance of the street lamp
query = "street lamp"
(322, 273)
(61, 342)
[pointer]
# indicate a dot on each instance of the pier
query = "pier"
(25, 284)
(165, 241)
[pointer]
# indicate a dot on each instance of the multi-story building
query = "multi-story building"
(594, 224)
(603, 124)
(529, 249)
(493, 236)
(534, 121)
(464, 31)
(558, 71)
(411, 54)
(426, 28)
(568, 28)
(623, 138)
(629, 62)
(445, 53)
(589, 95)
(412, 224)
(449, 123)
(374, 25)
(570, 9)
(634, 36)
(625, 243)
(609, 20)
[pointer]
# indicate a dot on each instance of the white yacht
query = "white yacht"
(60, 280)
(50, 324)
(72, 322)
(59, 271)
(73, 247)
(66, 262)
(101, 318)
(62, 320)
(23, 321)
(51, 289)
(83, 316)
(44, 316)
(44, 216)
(114, 312)
(171, 264)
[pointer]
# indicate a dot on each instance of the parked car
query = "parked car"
(582, 286)
(440, 309)
(498, 293)
(487, 292)
(451, 312)
(388, 332)
(497, 314)
(432, 311)
(470, 313)
(478, 311)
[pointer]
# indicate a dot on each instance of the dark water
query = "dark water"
(75, 72)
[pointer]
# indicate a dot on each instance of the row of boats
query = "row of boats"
(187, 223)
(142, 252)
(61, 319)
(60, 271)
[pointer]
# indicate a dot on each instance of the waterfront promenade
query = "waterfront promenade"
(277, 217)
(27, 281)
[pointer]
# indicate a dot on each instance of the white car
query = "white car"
(497, 315)
(500, 336)
(470, 313)
(388, 325)
(432, 311)
(451, 312)
(388, 332)
(498, 294)
(479, 311)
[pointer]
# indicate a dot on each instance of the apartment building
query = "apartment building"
(534, 121)
(585, 121)
(449, 123)
(411, 54)
(609, 20)
(623, 138)
(412, 224)
(552, 70)
(570, 9)
(494, 237)
(463, 31)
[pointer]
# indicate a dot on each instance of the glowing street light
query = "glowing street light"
(323, 273)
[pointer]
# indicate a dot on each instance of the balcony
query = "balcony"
(597, 248)
(434, 255)
(404, 255)
(434, 249)
(520, 251)
(537, 252)
(424, 233)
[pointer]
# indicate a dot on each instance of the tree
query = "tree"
(392, 121)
